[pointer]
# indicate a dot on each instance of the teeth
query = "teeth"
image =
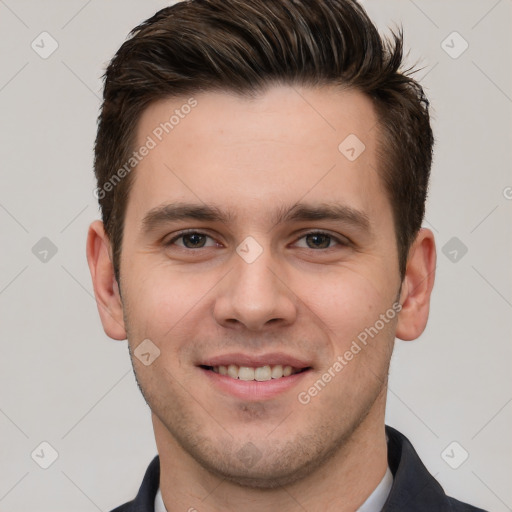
(233, 371)
(277, 371)
(245, 373)
(262, 373)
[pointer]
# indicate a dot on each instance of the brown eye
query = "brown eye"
(194, 240)
(318, 240)
(191, 240)
(321, 240)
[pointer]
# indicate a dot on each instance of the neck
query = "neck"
(342, 484)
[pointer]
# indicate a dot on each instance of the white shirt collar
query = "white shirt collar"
(374, 503)
(159, 502)
(378, 497)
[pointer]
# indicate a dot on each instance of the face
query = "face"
(255, 237)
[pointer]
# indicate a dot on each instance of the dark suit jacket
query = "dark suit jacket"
(414, 488)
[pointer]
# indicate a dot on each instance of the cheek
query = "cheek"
(346, 302)
(163, 302)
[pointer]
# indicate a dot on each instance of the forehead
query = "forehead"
(253, 155)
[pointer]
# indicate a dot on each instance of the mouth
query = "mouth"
(259, 373)
(254, 378)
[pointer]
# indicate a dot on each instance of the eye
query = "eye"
(191, 240)
(321, 240)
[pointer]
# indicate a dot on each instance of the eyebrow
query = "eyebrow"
(324, 211)
(167, 213)
(164, 214)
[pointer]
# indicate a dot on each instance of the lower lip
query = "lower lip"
(253, 390)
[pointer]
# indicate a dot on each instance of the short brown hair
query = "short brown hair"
(244, 46)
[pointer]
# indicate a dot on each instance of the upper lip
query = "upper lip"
(256, 361)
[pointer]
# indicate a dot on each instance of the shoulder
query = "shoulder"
(145, 499)
(414, 488)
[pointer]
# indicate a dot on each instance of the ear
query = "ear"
(106, 289)
(417, 286)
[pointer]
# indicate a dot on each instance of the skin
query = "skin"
(305, 296)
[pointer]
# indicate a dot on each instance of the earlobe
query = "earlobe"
(417, 286)
(106, 289)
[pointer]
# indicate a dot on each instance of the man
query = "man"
(262, 170)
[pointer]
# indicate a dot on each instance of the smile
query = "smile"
(260, 373)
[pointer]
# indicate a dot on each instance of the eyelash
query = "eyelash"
(193, 232)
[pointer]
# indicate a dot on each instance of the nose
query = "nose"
(255, 295)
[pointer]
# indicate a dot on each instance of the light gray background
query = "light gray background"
(64, 382)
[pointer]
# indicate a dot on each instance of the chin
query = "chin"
(265, 464)
(269, 476)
